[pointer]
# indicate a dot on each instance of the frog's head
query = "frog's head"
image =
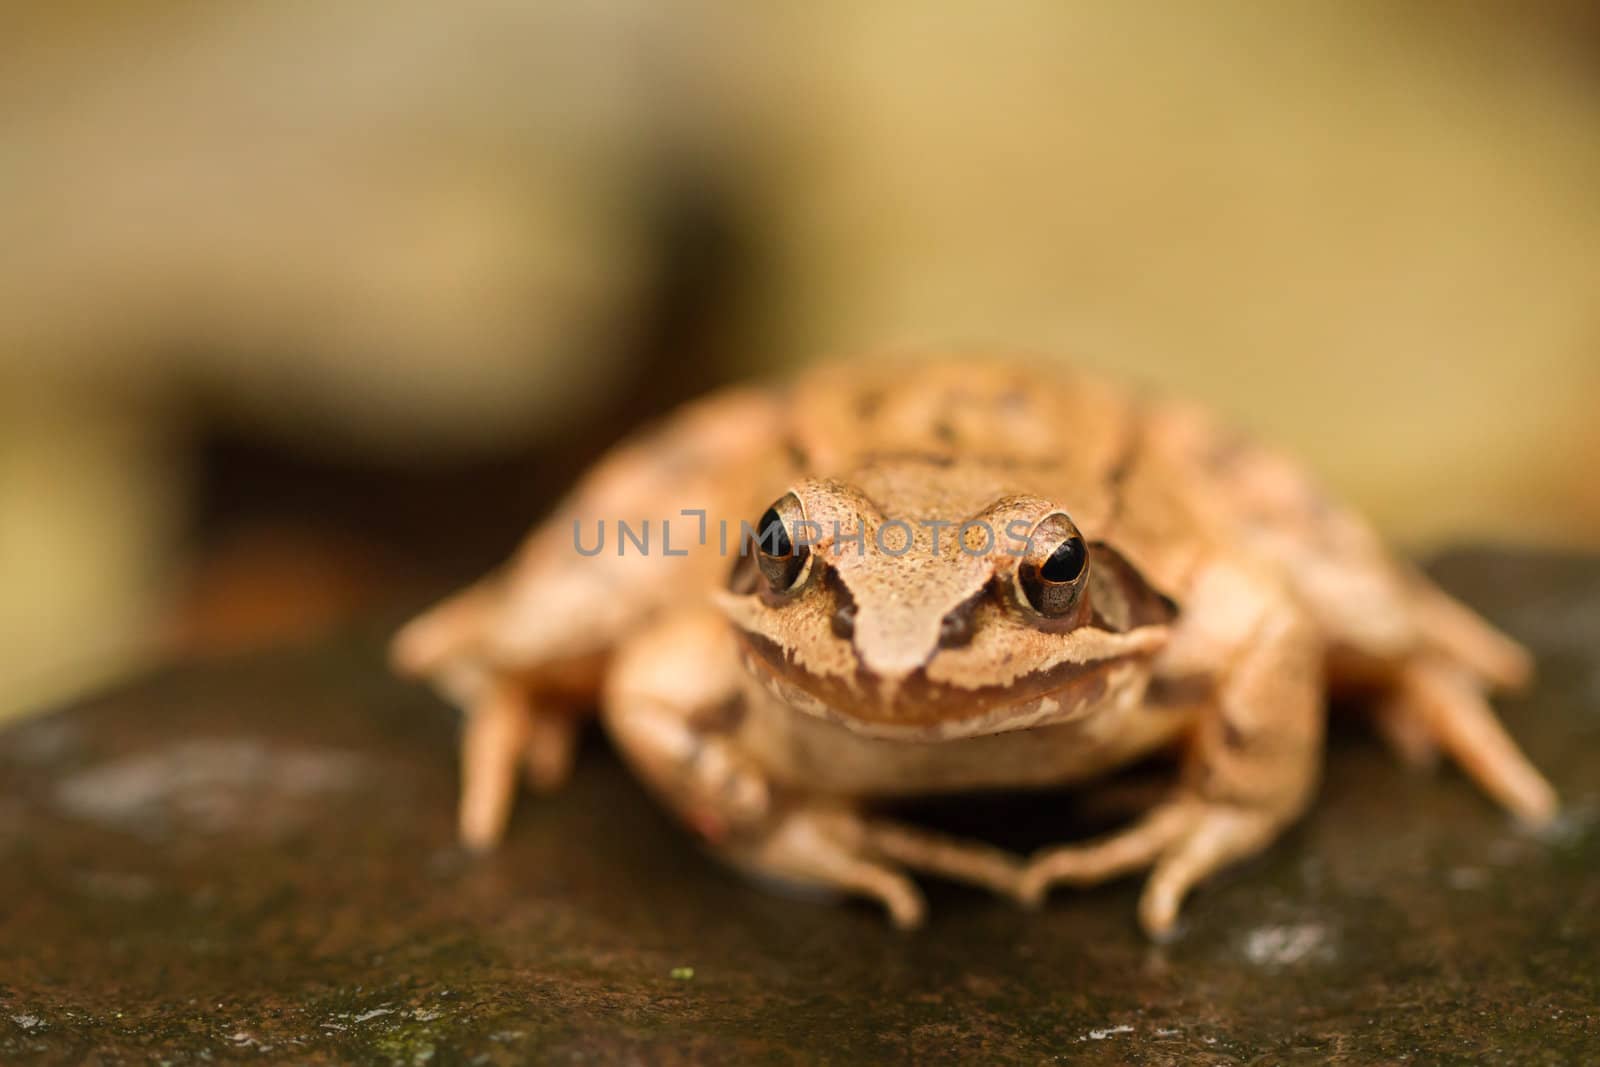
(903, 602)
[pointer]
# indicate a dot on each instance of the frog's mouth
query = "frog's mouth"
(929, 704)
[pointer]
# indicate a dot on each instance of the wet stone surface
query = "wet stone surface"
(252, 862)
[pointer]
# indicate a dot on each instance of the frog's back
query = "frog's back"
(1162, 482)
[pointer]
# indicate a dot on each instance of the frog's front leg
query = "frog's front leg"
(1252, 762)
(673, 705)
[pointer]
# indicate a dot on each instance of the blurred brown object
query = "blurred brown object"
(271, 585)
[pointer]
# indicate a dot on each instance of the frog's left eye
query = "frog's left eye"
(1051, 576)
(780, 548)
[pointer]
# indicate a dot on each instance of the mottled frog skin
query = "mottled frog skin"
(906, 579)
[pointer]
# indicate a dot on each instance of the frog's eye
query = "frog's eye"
(781, 548)
(1050, 577)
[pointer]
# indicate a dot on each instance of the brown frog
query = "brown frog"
(899, 580)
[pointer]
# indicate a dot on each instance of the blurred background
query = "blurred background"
(307, 310)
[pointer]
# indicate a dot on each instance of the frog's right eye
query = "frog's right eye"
(780, 545)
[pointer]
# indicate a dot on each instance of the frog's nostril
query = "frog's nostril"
(844, 620)
(844, 612)
(956, 628)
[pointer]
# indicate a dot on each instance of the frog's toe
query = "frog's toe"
(1118, 854)
(1184, 841)
(907, 910)
(492, 746)
(507, 739)
(548, 753)
(1217, 836)
(1448, 704)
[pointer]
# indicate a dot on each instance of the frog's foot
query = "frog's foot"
(1183, 841)
(508, 738)
(720, 792)
(831, 848)
(1435, 703)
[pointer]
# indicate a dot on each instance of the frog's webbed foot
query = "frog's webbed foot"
(1436, 704)
(509, 738)
(1182, 841)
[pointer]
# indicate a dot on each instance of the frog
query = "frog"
(886, 580)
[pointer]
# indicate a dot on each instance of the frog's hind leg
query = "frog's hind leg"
(1250, 770)
(509, 735)
(1434, 697)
